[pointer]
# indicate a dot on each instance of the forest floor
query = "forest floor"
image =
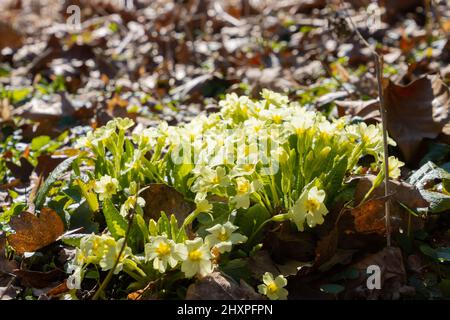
(173, 61)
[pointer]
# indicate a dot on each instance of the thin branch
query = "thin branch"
(379, 73)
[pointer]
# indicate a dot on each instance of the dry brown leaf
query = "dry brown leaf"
(326, 247)
(37, 279)
(425, 103)
(369, 216)
(394, 8)
(10, 37)
(161, 197)
(35, 232)
(286, 243)
(393, 276)
(216, 286)
(401, 191)
(368, 110)
(21, 172)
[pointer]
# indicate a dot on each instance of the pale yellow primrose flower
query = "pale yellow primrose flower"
(274, 97)
(198, 259)
(111, 253)
(102, 250)
(273, 288)
(309, 207)
(203, 205)
(210, 178)
(123, 123)
(131, 203)
(164, 252)
(243, 190)
(91, 250)
(394, 167)
(223, 237)
(106, 187)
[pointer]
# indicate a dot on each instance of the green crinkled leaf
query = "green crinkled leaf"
(429, 171)
(439, 202)
(117, 224)
(427, 174)
(335, 177)
(237, 269)
(219, 214)
(39, 142)
(72, 239)
(140, 222)
(82, 217)
(91, 197)
(249, 221)
(164, 225)
(442, 254)
(52, 178)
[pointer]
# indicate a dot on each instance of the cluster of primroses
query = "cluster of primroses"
(196, 257)
(277, 154)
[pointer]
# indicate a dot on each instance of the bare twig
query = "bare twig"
(379, 73)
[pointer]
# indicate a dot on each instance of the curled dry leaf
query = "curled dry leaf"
(35, 232)
(401, 191)
(424, 103)
(368, 110)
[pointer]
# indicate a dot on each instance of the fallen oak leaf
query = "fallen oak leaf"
(326, 247)
(369, 216)
(404, 192)
(10, 38)
(392, 276)
(38, 279)
(161, 197)
(35, 232)
(424, 103)
(368, 110)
